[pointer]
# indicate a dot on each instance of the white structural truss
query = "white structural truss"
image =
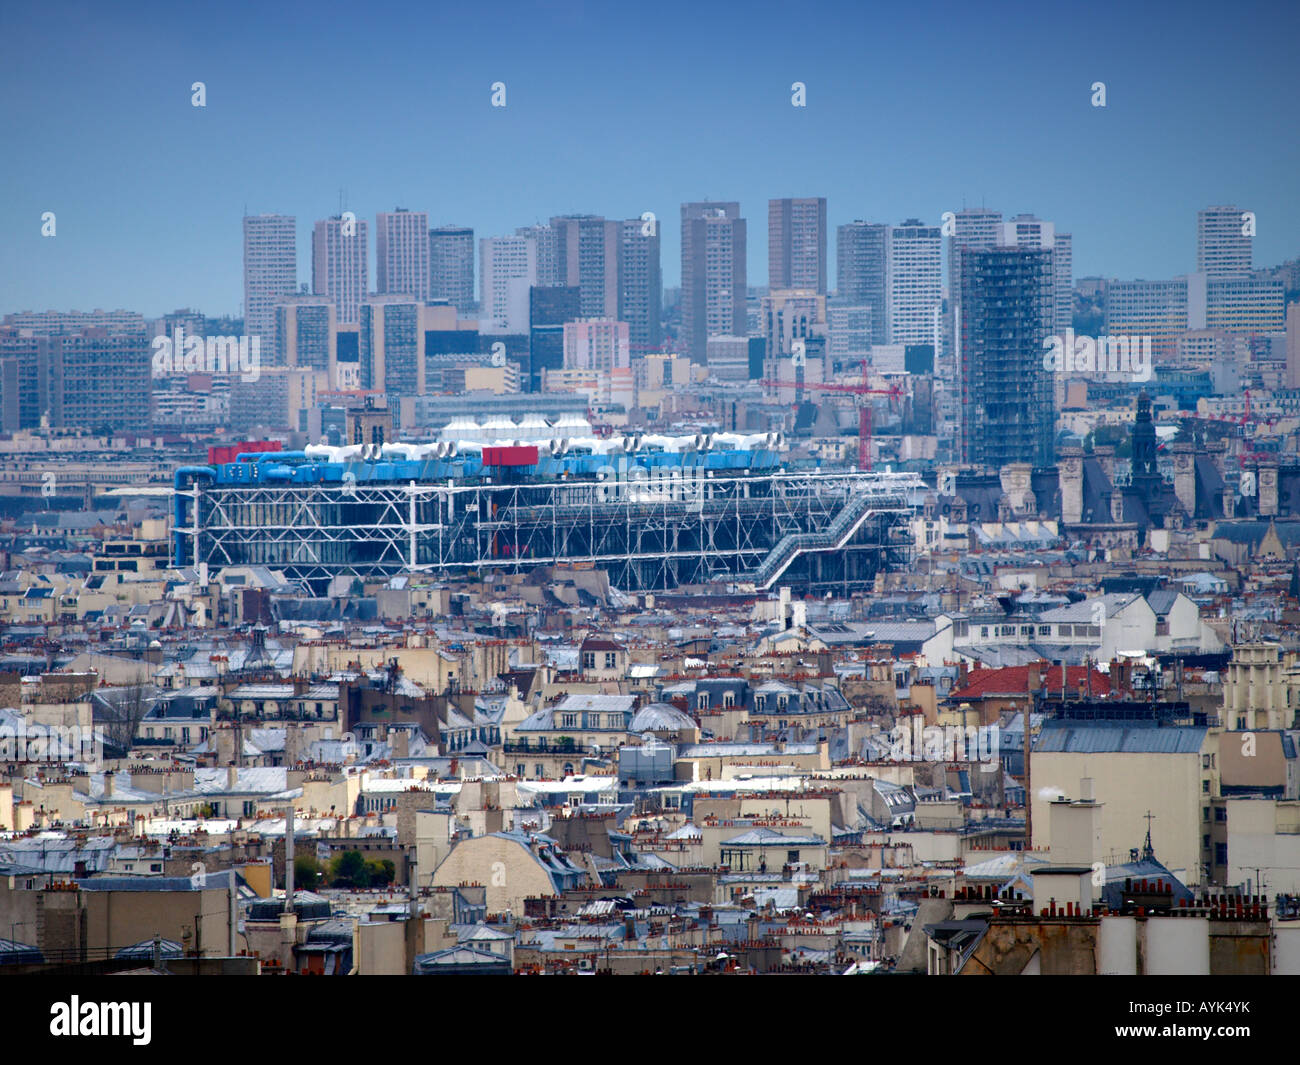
(804, 527)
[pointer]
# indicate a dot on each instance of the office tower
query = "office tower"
(52, 323)
(402, 253)
(340, 265)
(848, 330)
(714, 287)
(587, 255)
(1026, 231)
(451, 266)
(392, 345)
(10, 392)
(1158, 309)
(973, 227)
(447, 333)
(507, 270)
(914, 284)
(270, 272)
(1223, 248)
(1293, 345)
(307, 328)
(94, 379)
(1008, 308)
(24, 364)
(796, 244)
(728, 358)
(790, 315)
(280, 400)
(550, 308)
(549, 274)
(1244, 305)
(860, 271)
(596, 344)
(640, 284)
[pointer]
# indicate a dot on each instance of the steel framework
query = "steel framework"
(804, 527)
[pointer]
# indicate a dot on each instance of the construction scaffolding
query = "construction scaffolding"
(811, 529)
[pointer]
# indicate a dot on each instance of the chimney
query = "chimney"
(288, 859)
(108, 784)
(232, 777)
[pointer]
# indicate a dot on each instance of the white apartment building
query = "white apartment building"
(507, 269)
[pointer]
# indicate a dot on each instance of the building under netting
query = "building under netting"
(655, 512)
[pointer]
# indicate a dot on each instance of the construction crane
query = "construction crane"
(864, 405)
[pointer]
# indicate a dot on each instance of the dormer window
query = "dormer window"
(702, 701)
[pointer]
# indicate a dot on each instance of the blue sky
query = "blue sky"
(913, 109)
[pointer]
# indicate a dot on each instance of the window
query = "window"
(520, 769)
(791, 857)
(610, 659)
(1220, 854)
(568, 721)
(1044, 630)
(588, 659)
(1220, 813)
(728, 699)
(1205, 787)
(537, 770)
(702, 701)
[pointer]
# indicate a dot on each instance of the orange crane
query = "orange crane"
(864, 405)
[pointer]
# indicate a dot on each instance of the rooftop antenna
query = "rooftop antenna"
(1148, 851)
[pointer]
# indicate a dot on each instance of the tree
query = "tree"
(349, 870)
(306, 872)
(122, 719)
(381, 871)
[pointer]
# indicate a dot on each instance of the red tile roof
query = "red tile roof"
(1014, 680)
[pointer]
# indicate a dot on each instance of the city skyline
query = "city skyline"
(163, 243)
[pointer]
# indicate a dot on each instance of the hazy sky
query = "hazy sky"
(615, 109)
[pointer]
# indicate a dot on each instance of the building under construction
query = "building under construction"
(655, 512)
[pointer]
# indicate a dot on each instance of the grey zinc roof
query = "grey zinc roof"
(766, 837)
(254, 779)
(661, 717)
(1162, 600)
(1107, 739)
